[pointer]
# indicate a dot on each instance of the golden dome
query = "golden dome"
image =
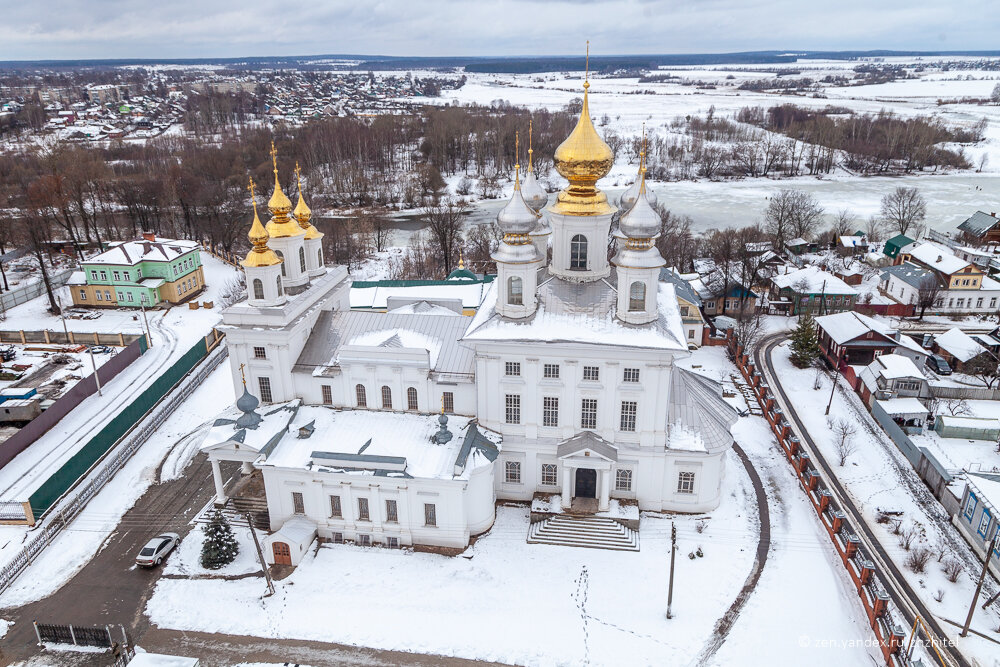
(260, 254)
(280, 225)
(302, 212)
(583, 159)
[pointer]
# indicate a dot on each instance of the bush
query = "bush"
(952, 569)
(220, 547)
(918, 558)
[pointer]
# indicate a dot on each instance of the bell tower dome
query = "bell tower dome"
(262, 266)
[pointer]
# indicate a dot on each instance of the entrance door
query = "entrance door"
(586, 483)
(282, 554)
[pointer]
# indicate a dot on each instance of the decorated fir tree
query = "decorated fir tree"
(220, 546)
(805, 346)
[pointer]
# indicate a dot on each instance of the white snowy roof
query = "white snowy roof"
(423, 308)
(969, 422)
(581, 313)
(989, 489)
(816, 281)
(130, 253)
(912, 345)
(853, 241)
(846, 326)
(77, 278)
(471, 294)
(959, 344)
(894, 367)
(937, 257)
(903, 407)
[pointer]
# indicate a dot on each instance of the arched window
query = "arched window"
(515, 291)
(278, 279)
(386, 398)
(637, 296)
(578, 253)
(319, 257)
(258, 288)
(282, 258)
(302, 260)
(411, 398)
(359, 391)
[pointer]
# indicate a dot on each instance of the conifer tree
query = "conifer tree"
(220, 546)
(805, 346)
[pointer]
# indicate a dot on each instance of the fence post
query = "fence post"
(72, 338)
(29, 515)
(72, 634)
(23, 340)
(46, 332)
(121, 339)
(38, 635)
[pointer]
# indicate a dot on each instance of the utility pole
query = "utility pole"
(149, 335)
(979, 587)
(62, 317)
(670, 587)
(833, 378)
(97, 378)
(260, 555)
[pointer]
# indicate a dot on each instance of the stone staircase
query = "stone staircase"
(591, 532)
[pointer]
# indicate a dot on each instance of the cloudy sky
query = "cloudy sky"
(66, 29)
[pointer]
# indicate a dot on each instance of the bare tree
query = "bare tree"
(444, 221)
(984, 368)
(748, 331)
(995, 95)
(952, 569)
(790, 214)
(843, 438)
(874, 229)
(903, 209)
(957, 406)
(928, 294)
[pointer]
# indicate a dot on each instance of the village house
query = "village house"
(896, 245)
(892, 376)
(811, 290)
(979, 517)
(696, 329)
(981, 228)
(957, 285)
(958, 348)
(855, 339)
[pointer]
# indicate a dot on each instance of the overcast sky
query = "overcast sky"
(67, 29)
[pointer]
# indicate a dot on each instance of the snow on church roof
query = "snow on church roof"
(698, 418)
(581, 313)
(399, 338)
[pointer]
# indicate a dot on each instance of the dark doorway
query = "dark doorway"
(586, 483)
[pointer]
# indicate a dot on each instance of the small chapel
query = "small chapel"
(405, 427)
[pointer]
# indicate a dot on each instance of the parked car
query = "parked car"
(7, 353)
(157, 549)
(936, 363)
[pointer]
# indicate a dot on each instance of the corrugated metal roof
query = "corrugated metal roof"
(335, 329)
(979, 223)
(681, 287)
(696, 403)
(911, 274)
(587, 440)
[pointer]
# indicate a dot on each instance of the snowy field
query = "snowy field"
(879, 478)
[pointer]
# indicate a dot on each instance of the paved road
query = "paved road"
(110, 590)
(904, 599)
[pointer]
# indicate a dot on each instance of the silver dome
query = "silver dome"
(640, 221)
(543, 228)
(534, 194)
(629, 197)
(522, 253)
(517, 217)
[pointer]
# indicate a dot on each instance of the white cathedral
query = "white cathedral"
(405, 427)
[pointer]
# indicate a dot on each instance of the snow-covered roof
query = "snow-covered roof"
(900, 407)
(979, 223)
(471, 294)
(581, 313)
(161, 660)
(375, 443)
(682, 287)
(298, 530)
(424, 308)
(912, 345)
(959, 344)
(846, 326)
(969, 422)
(77, 278)
(815, 280)
(988, 487)
(852, 241)
(698, 418)
(937, 257)
(911, 274)
(130, 253)
(894, 367)
(225, 433)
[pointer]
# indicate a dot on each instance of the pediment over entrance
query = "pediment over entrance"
(587, 444)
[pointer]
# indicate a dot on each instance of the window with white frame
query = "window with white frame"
(411, 398)
(515, 291)
(512, 408)
(98, 293)
(392, 542)
(363, 513)
(117, 276)
(629, 409)
(588, 413)
(365, 540)
(631, 375)
(578, 253)
(512, 472)
(591, 373)
(327, 391)
(907, 385)
(391, 512)
(298, 503)
(360, 394)
(623, 480)
(259, 352)
(335, 509)
(386, 397)
(550, 411)
(637, 296)
(430, 514)
(685, 482)
(264, 384)
(448, 401)
(550, 474)
(970, 506)
(512, 368)
(551, 371)
(258, 289)
(984, 523)
(83, 295)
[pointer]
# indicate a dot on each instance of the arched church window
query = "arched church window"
(278, 279)
(386, 398)
(578, 253)
(637, 296)
(302, 260)
(411, 398)
(359, 391)
(281, 256)
(258, 288)
(515, 291)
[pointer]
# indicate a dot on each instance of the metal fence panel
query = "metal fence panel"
(16, 297)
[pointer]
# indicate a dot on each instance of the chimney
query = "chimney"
(149, 236)
(940, 258)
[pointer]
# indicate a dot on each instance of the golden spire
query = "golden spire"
(302, 212)
(530, 149)
(260, 254)
(280, 205)
(517, 160)
(461, 260)
(583, 159)
(642, 151)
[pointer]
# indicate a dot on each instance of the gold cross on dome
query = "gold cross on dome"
(243, 376)
(298, 175)
(274, 157)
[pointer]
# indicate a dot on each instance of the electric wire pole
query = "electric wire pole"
(979, 587)
(260, 555)
(670, 587)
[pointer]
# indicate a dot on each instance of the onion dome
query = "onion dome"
(280, 205)
(583, 159)
(260, 254)
(534, 194)
(517, 219)
(640, 223)
(302, 213)
(629, 197)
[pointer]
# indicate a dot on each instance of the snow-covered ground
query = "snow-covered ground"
(186, 560)
(878, 478)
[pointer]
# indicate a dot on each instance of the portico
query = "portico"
(587, 461)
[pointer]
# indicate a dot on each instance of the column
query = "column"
(604, 502)
(567, 498)
(246, 468)
(220, 491)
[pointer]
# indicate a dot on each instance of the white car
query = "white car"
(157, 549)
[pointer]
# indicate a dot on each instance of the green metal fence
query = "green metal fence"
(71, 471)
